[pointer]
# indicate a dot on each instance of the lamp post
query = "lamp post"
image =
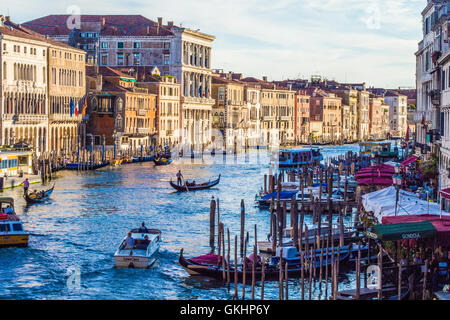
(397, 180)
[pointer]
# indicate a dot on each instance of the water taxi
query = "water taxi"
(291, 158)
(144, 251)
(11, 228)
(376, 149)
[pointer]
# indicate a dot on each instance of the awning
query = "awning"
(409, 161)
(284, 195)
(402, 231)
(445, 193)
(442, 224)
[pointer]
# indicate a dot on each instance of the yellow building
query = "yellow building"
(66, 83)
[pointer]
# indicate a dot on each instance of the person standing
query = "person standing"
(26, 185)
(179, 177)
(129, 242)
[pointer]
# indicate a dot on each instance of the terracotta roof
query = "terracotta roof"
(13, 29)
(107, 72)
(120, 25)
(392, 93)
(223, 80)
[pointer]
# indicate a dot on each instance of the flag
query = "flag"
(76, 108)
(72, 107)
(407, 134)
(83, 110)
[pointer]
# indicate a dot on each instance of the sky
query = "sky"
(370, 41)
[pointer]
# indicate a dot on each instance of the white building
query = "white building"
(433, 45)
(191, 64)
(23, 87)
(253, 100)
(398, 112)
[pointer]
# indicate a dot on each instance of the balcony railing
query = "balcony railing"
(64, 117)
(25, 118)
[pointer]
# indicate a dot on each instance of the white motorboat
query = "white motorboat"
(144, 251)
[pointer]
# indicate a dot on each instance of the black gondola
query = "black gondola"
(85, 166)
(202, 186)
(271, 272)
(162, 161)
(30, 199)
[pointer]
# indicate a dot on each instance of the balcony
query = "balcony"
(435, 96)
(143, 130)
(25, 118)
(198, 100)
(59, 117)
(141, 112)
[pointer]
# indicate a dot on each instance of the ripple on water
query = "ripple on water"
(90, 213)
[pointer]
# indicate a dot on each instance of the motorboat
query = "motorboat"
(144, 251)
(12, 233)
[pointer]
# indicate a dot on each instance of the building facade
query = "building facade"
(302, 117)
(24, 87)
(363, 115)
(66, 86)
(119, 111)
(398, 111)
(190, 62)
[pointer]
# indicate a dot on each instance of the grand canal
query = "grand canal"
(89, 214)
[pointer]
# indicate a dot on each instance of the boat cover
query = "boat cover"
(212, 259)
(284, 195)
(382, 204)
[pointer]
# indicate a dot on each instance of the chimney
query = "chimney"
(8, 18)
(160, 21)
(170, 24)
(148, 30)
(2, 19)
(265, 78)
(103, 21)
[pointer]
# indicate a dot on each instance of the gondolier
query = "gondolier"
(179, 177)
(26, 185)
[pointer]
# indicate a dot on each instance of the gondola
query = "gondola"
(271, 272)
(29, 199)
(161, 161)
(85, 166)
(202, 186)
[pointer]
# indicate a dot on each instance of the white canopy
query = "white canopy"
(382, 203)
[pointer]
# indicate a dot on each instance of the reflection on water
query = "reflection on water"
(90, 213)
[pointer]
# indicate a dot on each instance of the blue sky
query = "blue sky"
(346, 40)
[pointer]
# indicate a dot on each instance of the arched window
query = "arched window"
(119, 105)
(94, 104)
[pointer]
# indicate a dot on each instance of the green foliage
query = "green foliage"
(429, 168)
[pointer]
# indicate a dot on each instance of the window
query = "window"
(4, 227)
(136, 59)
(136, 45)
(4, 71)
(4, 164)
(166, 45)
(120, 45)
(104, 60)
(17, 227)
(120, 59)
(105, 45)
(166, 59)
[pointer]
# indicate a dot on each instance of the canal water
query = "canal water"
(88, 215)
